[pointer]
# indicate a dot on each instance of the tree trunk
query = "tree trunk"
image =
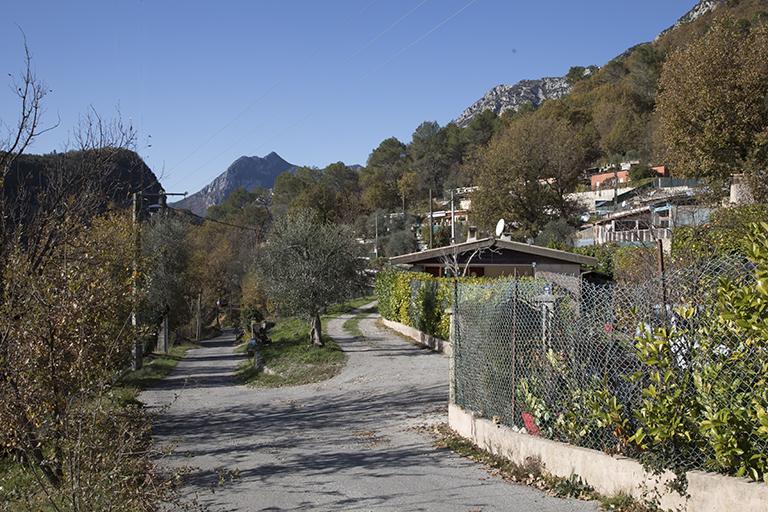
(316, 330)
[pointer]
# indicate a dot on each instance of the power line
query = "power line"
(274, 85)
(278, 82)
(209, 219)
(304, 119)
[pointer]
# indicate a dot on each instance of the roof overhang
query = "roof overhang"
(489, 243)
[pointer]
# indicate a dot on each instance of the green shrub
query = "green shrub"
(604, 254)
(726, 233)
(702, 383)
(716, 404)
(634, 264)
(415, 299)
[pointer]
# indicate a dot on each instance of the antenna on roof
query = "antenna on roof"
(500, 228)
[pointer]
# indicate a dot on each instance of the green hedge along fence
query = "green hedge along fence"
(415, 299)
(418, 300)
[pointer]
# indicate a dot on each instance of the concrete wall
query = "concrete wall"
(423, 339)
(608, 474)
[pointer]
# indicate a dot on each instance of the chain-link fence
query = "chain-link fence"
(656, 370)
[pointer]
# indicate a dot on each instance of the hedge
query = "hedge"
(415, 299)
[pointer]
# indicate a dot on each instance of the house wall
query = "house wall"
(571, 269)
(481, 270)
(508, 270)
(598, 179)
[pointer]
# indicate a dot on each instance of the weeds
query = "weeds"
(291, 360)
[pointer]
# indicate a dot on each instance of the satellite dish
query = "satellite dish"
(500, 228)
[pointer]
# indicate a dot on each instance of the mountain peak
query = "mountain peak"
(249, 172)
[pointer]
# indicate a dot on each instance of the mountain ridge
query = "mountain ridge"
(249, 172)
(505, 97)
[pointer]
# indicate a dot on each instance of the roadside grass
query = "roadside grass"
(352, 325)
(531, 473)
(14, 486)
(290, 359)
(350, 305)
(156, 366)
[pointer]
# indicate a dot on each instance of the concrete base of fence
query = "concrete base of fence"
(423, 339)
(607, 474)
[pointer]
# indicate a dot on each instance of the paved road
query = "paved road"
(343, 444)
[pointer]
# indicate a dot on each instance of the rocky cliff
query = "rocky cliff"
(698, 10)
(248, 172)
(511, 97)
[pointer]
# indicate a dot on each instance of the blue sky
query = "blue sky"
(316, 81)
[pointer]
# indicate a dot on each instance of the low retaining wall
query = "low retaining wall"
(610, 475)
(423, 339)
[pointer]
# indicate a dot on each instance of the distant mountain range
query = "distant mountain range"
(249, 172)
(504, 97)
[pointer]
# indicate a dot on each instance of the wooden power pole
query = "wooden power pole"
(197, 330)
(430, 219)
(138, 349)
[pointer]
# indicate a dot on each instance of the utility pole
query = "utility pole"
(197, 329)
(376, 235)
(430, 219)
(164, 201)
(138, 352)
(453, 220)
(164, 334)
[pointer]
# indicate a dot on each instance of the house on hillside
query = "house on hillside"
(648, 219)
(618, 177)
(494, 257)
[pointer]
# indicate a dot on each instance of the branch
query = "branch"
(31, 91)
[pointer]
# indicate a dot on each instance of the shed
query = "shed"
(494, 257)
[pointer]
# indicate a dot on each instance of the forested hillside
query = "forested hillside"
(526, 161)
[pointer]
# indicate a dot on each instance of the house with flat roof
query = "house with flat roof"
(494, 257)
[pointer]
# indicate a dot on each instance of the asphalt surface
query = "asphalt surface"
(348, 443)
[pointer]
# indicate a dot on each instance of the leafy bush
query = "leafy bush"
(556, 234)
(691, 393)
(704, 384)
(726, 233)
(634, 264)
(415, 299)
(604, 254)
(641, 172)
(400, 242)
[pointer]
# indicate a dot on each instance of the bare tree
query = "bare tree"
(65, 273)
(30, 92)
(458, 268)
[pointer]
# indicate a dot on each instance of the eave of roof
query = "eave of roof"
(486, 243)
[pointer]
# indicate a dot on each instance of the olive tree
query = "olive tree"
(308, 265)
(167, 289)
